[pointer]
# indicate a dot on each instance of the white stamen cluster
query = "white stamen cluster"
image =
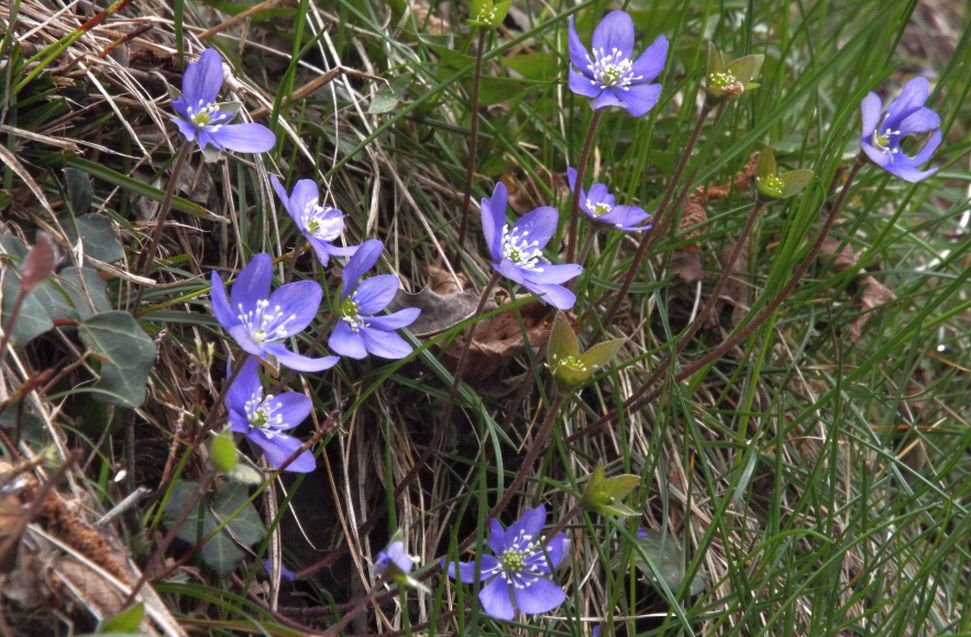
(517, 247)
(203, 115)
(315, 220)
(263, 414)
(351, 313)
(598, 209)
(516, 565)
(263, 324)
(612, 69)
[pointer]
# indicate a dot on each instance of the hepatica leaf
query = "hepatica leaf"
(126, 353)
(221, 553)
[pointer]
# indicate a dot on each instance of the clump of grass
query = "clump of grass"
(811, 480)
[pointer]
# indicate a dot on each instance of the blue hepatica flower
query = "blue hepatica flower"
(601, 206)
(358, 331)
(259, 321)
(517, 252)
(396, 558)
(608, 75)
(322, 225)
(517, 578)
(883, 131)
(264, 419)
(200, 118)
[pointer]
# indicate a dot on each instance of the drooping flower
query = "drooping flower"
(518, 577)
(600, 205)
(322, 225)
(883, 131)
(263, 419)
(200, 118)
(517, 252)
(608, 75)
(286, 574)
(359, 330)
(394, 557)
(259, 321)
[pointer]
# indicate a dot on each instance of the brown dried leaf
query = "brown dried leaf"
(875, 294)
(844, 259)
(737, 292)
(686, 265)
(443, 282)
(443, 303)
(499, 340)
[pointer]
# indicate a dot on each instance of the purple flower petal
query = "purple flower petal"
(292, 406)
(466, 570)
(242, 337)
(582, 85)
(203, 78)
(638, 99)
(909, 174)
(571, 180)
(925, 153)
(343, 251)
(626, 217)
(876, 155)
(374, 294)
(913, 96)
(187, 128)
(281, 193)
(363, 260)
(304, 195)
(651, 62)
(346, 341)
(395, 320)
(246, 385)
(497, 536)
(606, 98)
(496, 598)
(556, 549)
(556, 295)
(220, 304)
(615, 31)
(494, 219)
(253, 283)
(920, 121)
(538, 595)
(537, 225)
(507, 269)
(396, 555)
(243, 138)
(555, 273)
(531, 523)
(579, 56)
(280, 447)
(385, 344)
(298, 362)
(297, 304)
(870, 110)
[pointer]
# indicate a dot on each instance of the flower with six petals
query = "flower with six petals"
(883, 131)
(322, 225)
(517, 577)
(608, 74)
(264, 419)
(359, 330)
(517, 251)
(200, 118)
(600, 205)
(259, 321)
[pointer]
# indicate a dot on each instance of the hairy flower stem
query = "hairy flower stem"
(571, 245)
(642, 395)
(145, 258)
(537, 447)
(706, 309)
(473, 145)
(661, 217)
(466, 348)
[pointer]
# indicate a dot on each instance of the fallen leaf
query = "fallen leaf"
(686, 265)
(875, 294)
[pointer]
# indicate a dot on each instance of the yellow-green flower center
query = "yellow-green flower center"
(771, 184)
(202, 119)
(513, 561)
(601, 209)
(570, 362)
(350, 308)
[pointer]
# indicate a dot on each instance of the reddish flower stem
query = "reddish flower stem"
(571, 244)
(473, 145)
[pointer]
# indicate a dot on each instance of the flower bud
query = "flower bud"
(730, 80)
(488, 14)
(569, 367)
(773, 185)
(603, 494)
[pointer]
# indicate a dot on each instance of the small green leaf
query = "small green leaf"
(126, 353)
(563, 342)
(601, 354)
(603, 494)
(716, 63)
(794, 181)
(223, 452)
(389, 95)
(666, 555)
(766, 165)
(77, 186)
(746, 68)
(245, 474)
(221, 553)
(125, 622)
